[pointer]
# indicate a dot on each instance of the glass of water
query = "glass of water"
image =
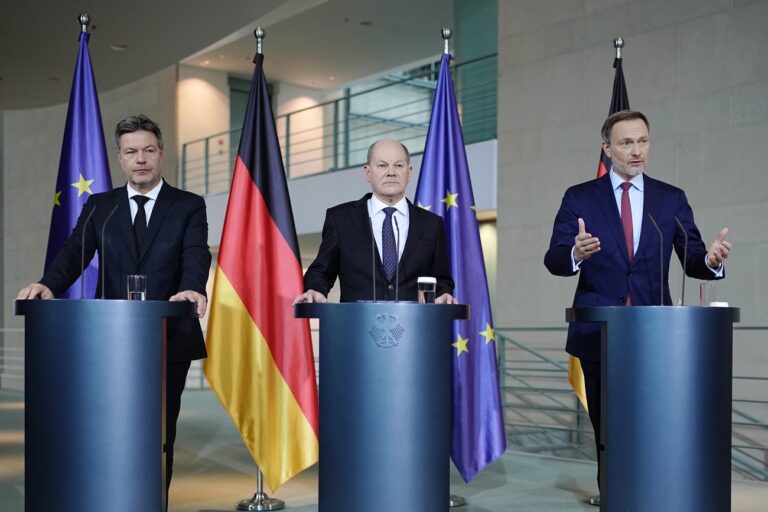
(427, 287)
(137, 287)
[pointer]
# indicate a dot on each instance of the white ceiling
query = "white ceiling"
(316, 43)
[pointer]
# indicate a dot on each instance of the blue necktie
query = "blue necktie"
(388, 245)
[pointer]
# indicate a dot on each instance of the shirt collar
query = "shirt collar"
(617, 180)
(377, 205)
(152, 194)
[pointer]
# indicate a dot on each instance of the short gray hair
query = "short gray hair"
(139, 123)
(372, 147)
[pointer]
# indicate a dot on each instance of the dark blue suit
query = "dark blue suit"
(607, 278)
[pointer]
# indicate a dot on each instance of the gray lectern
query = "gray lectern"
(385, 404)
(94, 378)
(666, 406)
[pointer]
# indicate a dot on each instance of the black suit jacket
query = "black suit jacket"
(175, 256)
(348, 251)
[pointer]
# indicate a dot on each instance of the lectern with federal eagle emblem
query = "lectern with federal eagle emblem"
(385, 404)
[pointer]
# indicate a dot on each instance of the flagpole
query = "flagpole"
(454, 500)
(260, 500)
(84, 20)
(618, 44)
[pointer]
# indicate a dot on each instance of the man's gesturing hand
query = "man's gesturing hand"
(585, 244)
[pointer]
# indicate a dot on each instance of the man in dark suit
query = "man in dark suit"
(150, 228)
(381, 237)
(617, 259)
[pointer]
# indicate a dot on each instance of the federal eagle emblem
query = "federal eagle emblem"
(386, 331)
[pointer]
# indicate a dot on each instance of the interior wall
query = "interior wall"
(698, 70)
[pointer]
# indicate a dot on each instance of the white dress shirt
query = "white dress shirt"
(152, 195)
(400, 222)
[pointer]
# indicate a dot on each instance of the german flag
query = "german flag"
(260, 361)
(619, 102)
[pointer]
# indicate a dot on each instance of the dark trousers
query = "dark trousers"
(592, 383)
(175, 378)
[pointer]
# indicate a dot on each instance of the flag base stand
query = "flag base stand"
(260, 500)
(454, 500)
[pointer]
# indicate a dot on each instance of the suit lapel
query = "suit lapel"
(606, 199)
(362, 222)
(124, 220)
(415, 228)
(651, 205)
(165, 199)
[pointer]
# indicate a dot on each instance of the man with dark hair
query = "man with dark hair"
(156, 230)
(617, 260)
(409, 241)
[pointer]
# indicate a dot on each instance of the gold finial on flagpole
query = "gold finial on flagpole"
(446, 33)
(260, 35)
(618, 43)
(84, 20)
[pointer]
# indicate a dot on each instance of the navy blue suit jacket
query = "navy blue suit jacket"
(347, 251)
(175, 256)
(607, 278)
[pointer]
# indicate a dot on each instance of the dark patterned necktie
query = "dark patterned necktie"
(140, 222)
(388, 245)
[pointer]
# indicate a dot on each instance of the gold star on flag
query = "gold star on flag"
(83, 185)
(488, 333)
(461, 345)
(424, 207)
(450, 200)
(57, 198)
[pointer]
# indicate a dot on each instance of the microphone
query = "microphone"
(661, 259)
(685, 258)
(373, 259)
(397, 249)
(103, 260)
(82, 253)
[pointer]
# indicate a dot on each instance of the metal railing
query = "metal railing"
(336, 134)
(542, 414)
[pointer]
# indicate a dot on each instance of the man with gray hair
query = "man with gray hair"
(380, 244)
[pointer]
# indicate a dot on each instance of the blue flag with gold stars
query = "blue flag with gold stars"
(83, 167)
(445, 188)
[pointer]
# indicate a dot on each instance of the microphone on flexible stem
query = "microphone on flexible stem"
(373, 259)
(685, 258)
(397, 249)
(82, 253)
(661, 259)
(103, 260)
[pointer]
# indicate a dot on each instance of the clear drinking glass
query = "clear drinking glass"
(427, 287)
(137, 287)
(707, 293)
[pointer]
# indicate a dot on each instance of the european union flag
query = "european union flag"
(83, 168)
(445, 189)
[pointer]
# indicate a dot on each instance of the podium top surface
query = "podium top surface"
(620, 313)
(162, 308)
(318, 310)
